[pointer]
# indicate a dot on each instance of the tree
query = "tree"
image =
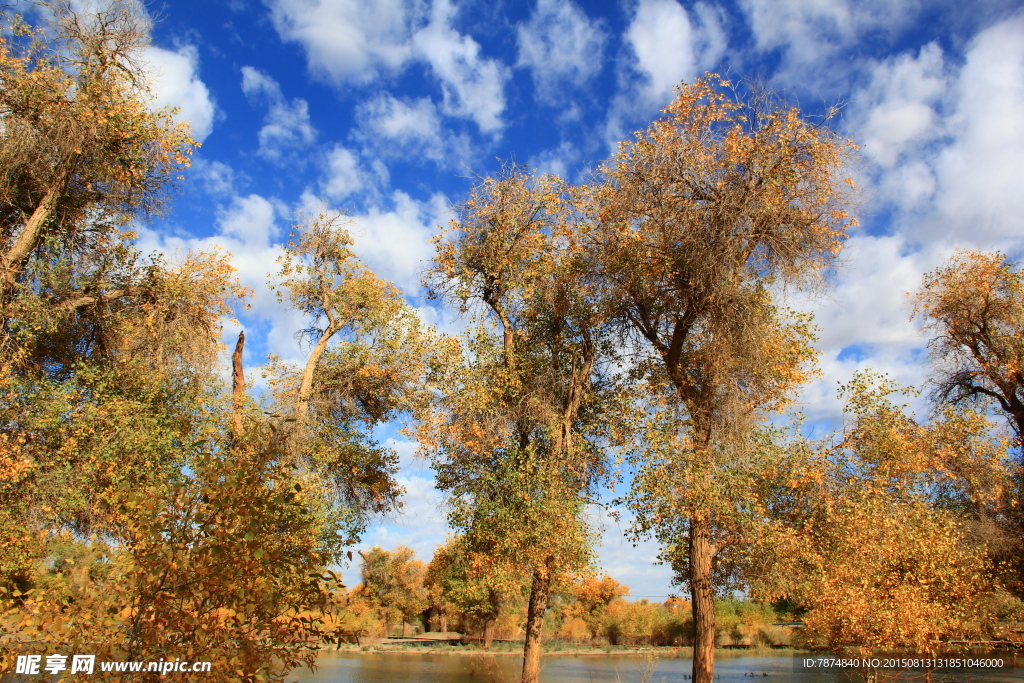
(697, 220)
(105, 357)
(394, 582)
(589, 606)
(457, 586)
(514, 436)
(973, 309)
(364, 369)
(872, 531)
(82, 153)
(225, 565)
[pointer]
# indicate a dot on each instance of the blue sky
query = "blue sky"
(388, 108)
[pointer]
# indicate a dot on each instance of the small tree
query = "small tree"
(394, 582)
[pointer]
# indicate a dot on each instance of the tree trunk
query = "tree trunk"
(405, 628)
(702, 599)
(443, 622)
(237, 387)
(535, 621)
(13, 262)
(489, 632)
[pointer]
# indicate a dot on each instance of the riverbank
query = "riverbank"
(515, 648)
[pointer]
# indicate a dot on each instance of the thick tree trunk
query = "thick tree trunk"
(489, 632)
(702, 599)
(443, 622)
(535, 622)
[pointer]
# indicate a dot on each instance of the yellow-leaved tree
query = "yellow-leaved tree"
(516, 432)
(698, 221)
(873, 531)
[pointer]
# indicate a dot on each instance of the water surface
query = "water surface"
(347, 667)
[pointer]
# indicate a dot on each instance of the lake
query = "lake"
(346, 667)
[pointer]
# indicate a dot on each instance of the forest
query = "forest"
(630, 339)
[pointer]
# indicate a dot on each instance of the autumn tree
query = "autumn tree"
(589, 604)
(364, 369)
(514, 436)
(872, 532)
(226, 564)
(973, 307)
(459, 587)
(394, 581)
(698, 221)
(82, 153)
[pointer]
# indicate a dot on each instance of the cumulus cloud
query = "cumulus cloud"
(561, 46)
(175, 82)
(215, 177)
(348, 41)
(663, 45)
(945, 141)
(904, 94)
(286, 126)
(413, 126)
(343, 175)
(473, 86)
(411, 130)
(980, 175)
(670, 44)
(395, 242)
(808, 31)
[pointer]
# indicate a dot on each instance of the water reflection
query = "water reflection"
(335, 667)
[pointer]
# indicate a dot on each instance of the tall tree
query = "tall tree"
(699, 218)
(364, 369)
(514, 436)
(105, 357)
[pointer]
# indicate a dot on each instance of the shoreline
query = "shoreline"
(446, 650)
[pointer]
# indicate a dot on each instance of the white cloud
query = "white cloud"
(981, 174)
(664, 44)
(409, 129)
(670, 45)
(216, 177)
(808, 31)
(865, 320)
(473, 85)
(349, 41)
(561, 46)
(413, 124)
(286, 126)
(346, 40)
(175, 82)
(395, 243)
(946, 142)
(344, 176)
(903, 95)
